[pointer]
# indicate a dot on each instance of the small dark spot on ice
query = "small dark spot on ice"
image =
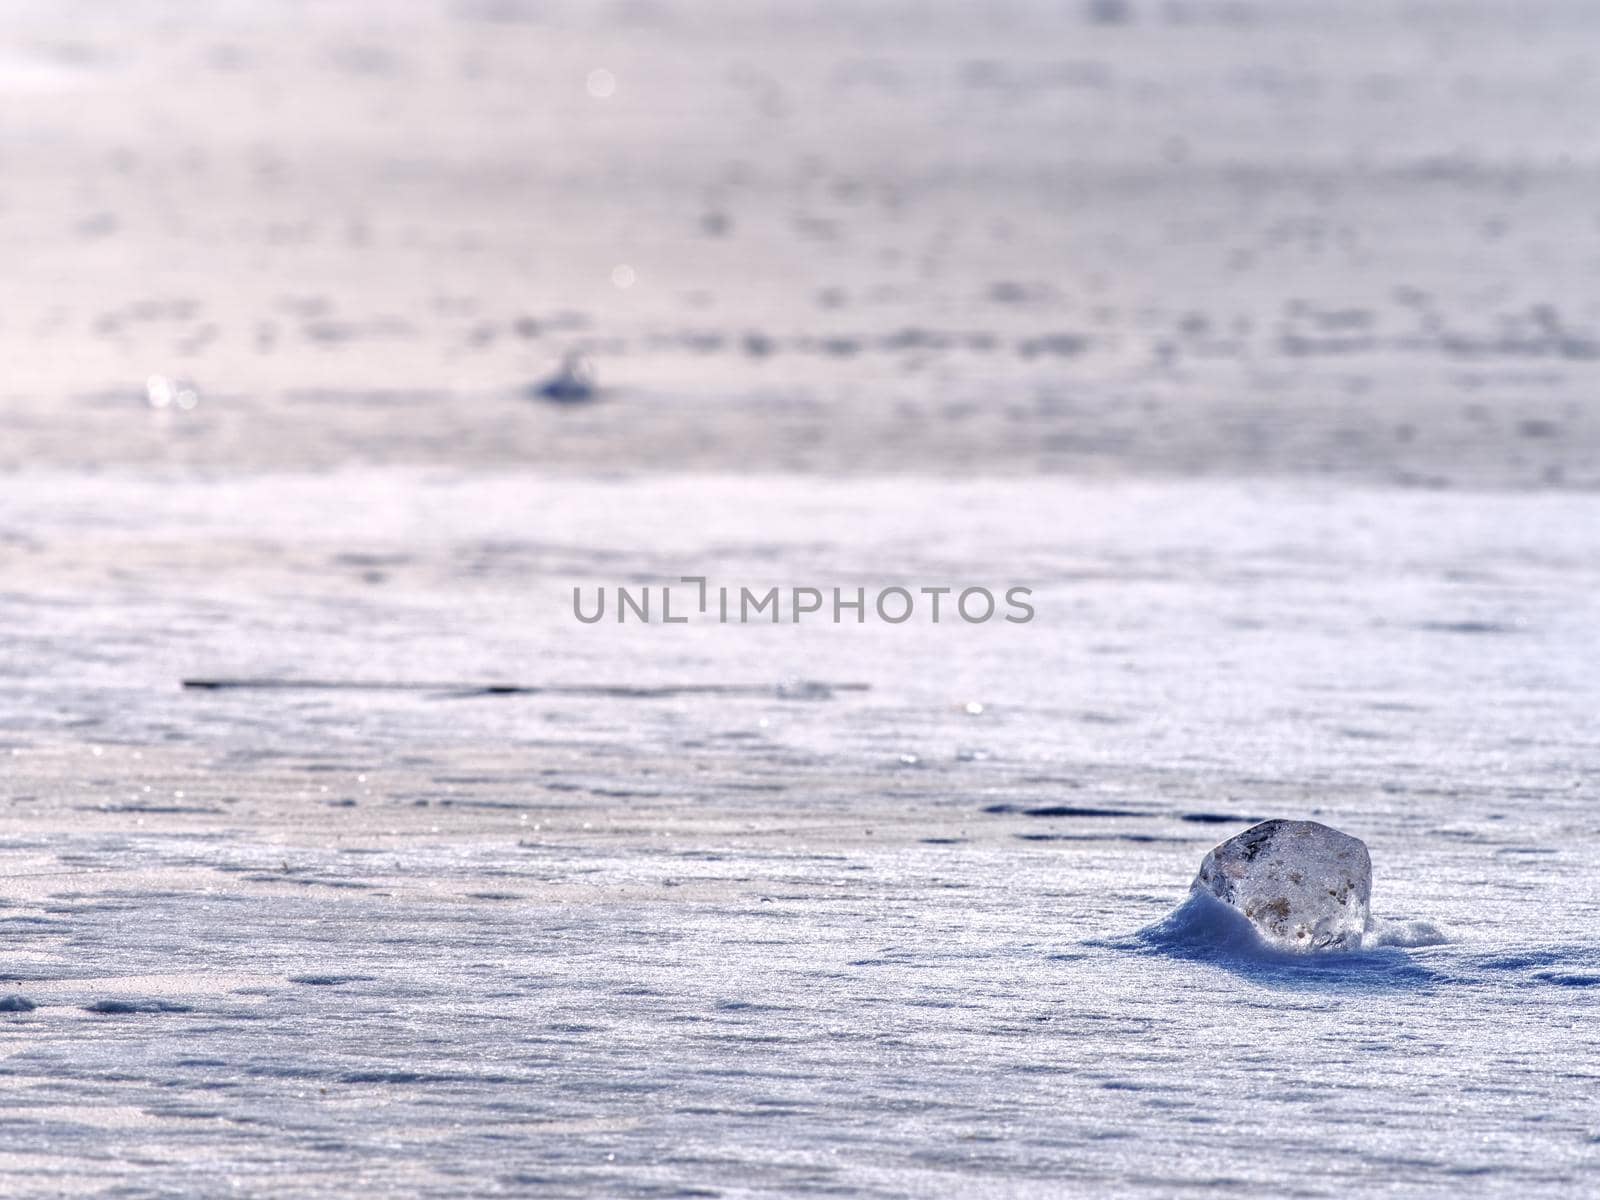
(119, 1007)
(1362, 735)
(572, 383)
(154, 809)
(1572, 979)
(747, 1006)
(1211, 818)
(1466, 627)
(327, 980)
(1100, 718)
(1063, 345)
(1061, 810)
(1094, 837)
(1007, 291)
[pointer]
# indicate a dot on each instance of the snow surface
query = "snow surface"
(887, 943)
(1260, 340)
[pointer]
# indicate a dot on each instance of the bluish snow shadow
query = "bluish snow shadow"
(1203, 929)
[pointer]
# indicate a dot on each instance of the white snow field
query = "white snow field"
(343, 340)
(887, 943)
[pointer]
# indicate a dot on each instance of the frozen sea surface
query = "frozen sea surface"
(1264, 340)
(884, 943)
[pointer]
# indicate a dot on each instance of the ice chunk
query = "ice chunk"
(1302, 885)
(573, 383)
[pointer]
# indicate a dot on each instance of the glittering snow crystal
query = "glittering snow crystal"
(1302, 885)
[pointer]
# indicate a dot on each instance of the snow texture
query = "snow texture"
(1261, 340)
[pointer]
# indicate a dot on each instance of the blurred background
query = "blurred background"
(1031, 236)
